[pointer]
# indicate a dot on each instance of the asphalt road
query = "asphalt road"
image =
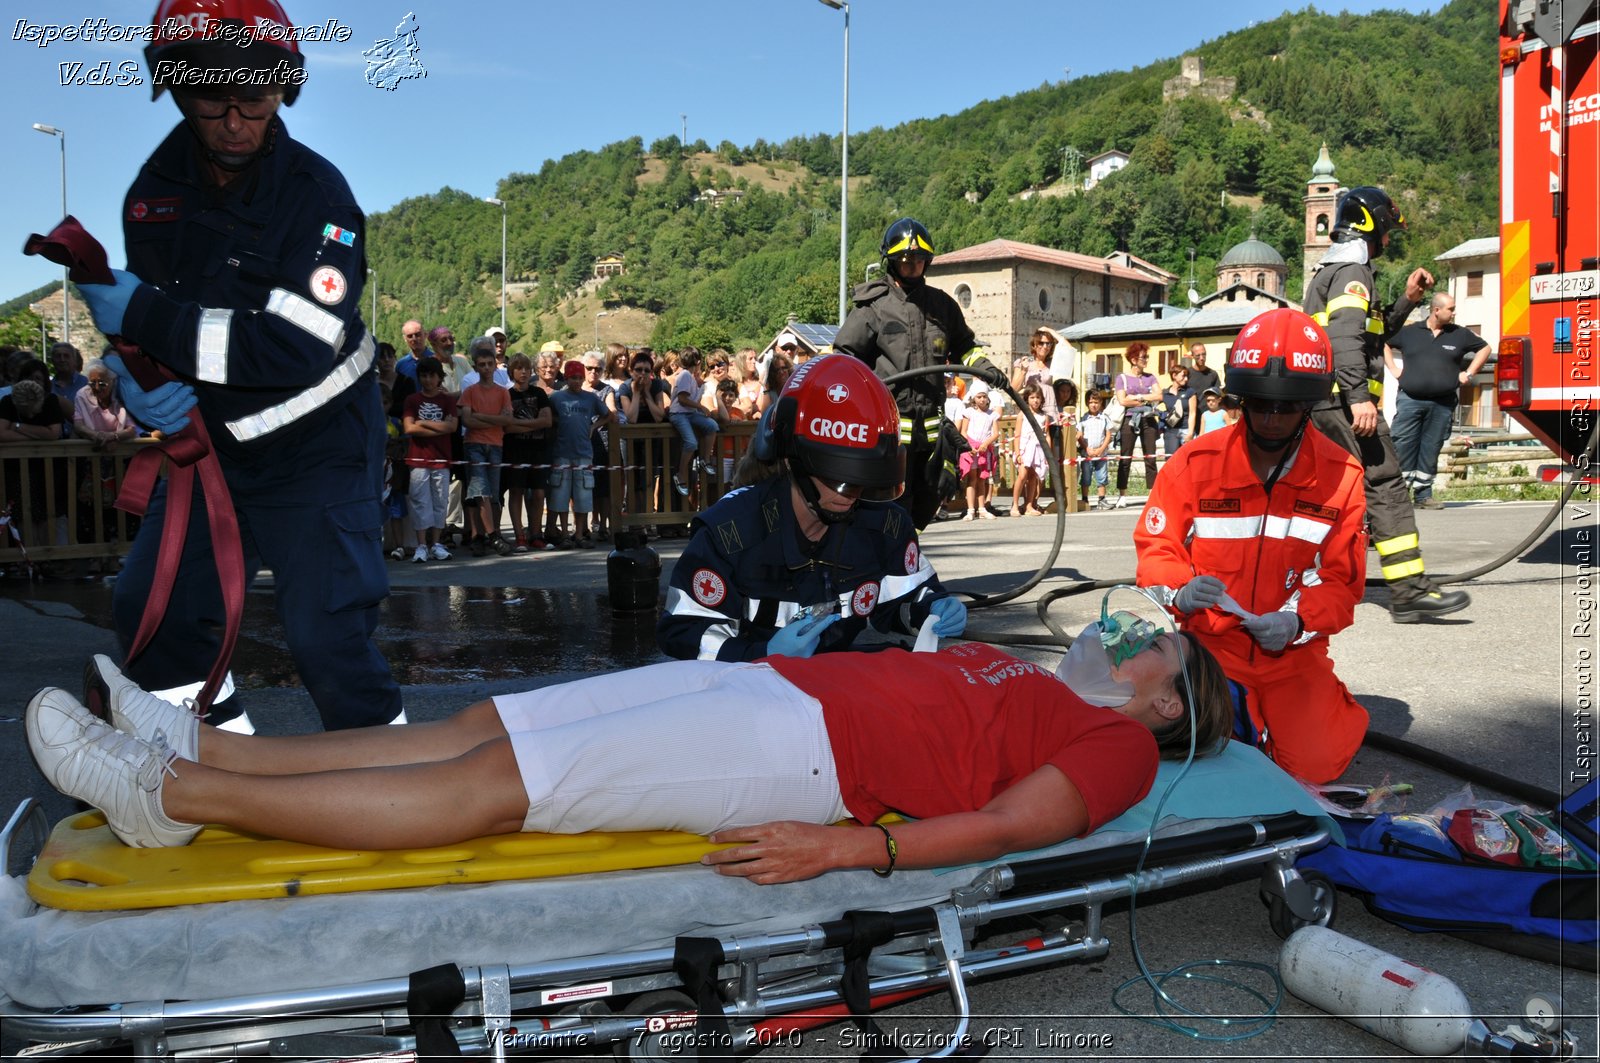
(1502, 686)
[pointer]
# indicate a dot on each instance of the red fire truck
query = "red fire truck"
(1548, 374)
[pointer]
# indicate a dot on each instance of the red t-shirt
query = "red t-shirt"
(929, 734)
(429, 452)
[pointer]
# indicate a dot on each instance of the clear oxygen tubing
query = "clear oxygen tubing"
(1167, 1012)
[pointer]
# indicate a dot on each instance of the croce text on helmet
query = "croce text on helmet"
(1281, 355)
(836, 421)
(1367, 212)
(225, 47)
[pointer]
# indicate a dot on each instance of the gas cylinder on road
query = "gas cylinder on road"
(633, 573)
(1420, 1010)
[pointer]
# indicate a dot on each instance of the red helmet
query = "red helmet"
(836, 421)
(232, 35)
(1281, 355)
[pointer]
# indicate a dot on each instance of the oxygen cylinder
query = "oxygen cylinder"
(633, 574)
(1415, 1008)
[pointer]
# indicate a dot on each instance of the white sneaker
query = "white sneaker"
(398, 553)
(1122, 502)
(132, 709)
(420, 557)
(120, 774)
(439, 553)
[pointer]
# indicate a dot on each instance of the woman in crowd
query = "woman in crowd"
(1138, 392)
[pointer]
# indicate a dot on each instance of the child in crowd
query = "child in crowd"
(1029, 454)
(526, 453)
(1214, 417)
(694, 426)
(579, 414)
(1094, 429)
(981, 426)
(485, 410)
(429, 421)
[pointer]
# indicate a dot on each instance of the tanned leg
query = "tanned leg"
(405, 806)
(360, 747)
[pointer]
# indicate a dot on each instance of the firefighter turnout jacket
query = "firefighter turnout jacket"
(1343, 300)
(893, 330)
(1300, 548)
(746, 572)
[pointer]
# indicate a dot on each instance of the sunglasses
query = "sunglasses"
(787, 347)
(214, 108)
(1268, 407)
(718, 365)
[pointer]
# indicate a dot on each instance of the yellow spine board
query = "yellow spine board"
(85, 868)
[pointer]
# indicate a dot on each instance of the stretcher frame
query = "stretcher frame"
(751, 990)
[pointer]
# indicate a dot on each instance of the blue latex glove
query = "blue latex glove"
(162, 409)
(1199, 594)
(949, 615)
(1273, 631)
(109, 302)
(800, 638)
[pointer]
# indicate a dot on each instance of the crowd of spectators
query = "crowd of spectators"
(500, 435)
(510, 455)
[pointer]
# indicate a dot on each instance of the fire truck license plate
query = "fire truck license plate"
(1550, 287)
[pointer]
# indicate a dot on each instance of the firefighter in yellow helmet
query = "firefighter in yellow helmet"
(1343, 299)
(901, 322)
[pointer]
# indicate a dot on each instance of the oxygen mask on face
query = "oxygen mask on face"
(1089, 667)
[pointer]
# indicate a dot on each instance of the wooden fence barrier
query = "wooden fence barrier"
(57, 499)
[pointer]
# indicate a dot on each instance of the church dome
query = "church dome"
(1251, 252)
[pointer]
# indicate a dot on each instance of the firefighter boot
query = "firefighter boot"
(1419, 598)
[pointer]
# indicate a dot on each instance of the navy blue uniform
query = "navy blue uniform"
(747, 571)
(252, 293)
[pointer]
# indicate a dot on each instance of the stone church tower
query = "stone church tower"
(1322, 196)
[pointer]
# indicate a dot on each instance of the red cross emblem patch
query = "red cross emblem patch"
(328, 286)
(911, 558)
(838, 393)
(708, 588)
(864, 600)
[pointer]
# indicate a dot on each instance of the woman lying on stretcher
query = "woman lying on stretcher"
(988, 753)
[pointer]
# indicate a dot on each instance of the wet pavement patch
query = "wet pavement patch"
(429, 634)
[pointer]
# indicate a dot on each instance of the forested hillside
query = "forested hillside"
(1402, 100)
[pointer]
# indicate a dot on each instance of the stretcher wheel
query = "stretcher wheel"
(1324, 900)
(675, 1041)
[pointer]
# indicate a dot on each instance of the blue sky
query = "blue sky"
(512, 84)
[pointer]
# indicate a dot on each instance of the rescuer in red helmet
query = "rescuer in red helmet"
(800, 562)
(246, 260)
(1255, 534)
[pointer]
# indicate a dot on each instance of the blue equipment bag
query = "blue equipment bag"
(1417, 878)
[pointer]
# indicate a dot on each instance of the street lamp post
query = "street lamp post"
(844, 169)
(372, 323)
(61, 134)
(502, 205)
(598, 315)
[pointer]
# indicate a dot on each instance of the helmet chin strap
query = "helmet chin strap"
(907, 283)
(1287, 445)
(813, 499)
(231, 163)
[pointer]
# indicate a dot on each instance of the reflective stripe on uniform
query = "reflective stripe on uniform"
(211, 346)
(910, 425)
(1402, 569)
(343, 377)
(300, 311)
(1237, 528)
(1400, 543)
(893, 587)
(681, 603)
